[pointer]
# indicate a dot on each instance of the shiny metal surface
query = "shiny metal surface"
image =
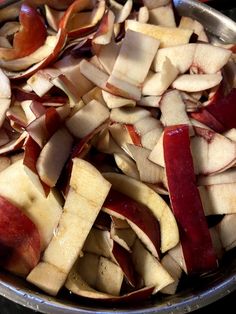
(196, 294)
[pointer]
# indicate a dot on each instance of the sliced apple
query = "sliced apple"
(174, 270)
(80, 211)
(197, 82)
(121, 12)
(141, 193)
(128, 115)
(168, 36)
(113, 101)
(146, 124)
(5, 104)
(163, 16)
(151, 138)
(149, 268)
(210, 59)
(98, 242)
(126, 165)
(5, 89)
(45, 213)
(228, 176)
(143, 14)
(125, 237)
(226, 231)
(157, 83)
(122, 88)
(175, 55)
(194, 234)
(104, 33)
(14, 144)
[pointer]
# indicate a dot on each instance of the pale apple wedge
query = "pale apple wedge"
(70, 67)
(149, 268)
(52, 158)
(121, 135)
(135, 58)
(78, 286)
(177, 254)
(98, 242)
(40, 82)
(218, 199)
(87, 119)
(156, 84)
(157, 154)
(174, 270)
(126, 165)
(145, 195)
(173, 109)
(104, 33)
(5, 104)
(228, 176)
(197, 82)
(168, 36)
(226, 231)
(5, 89)
(124, 237)
(210, 59)
(122, 88)
(231, 134)
(113, 101)
(146, 124)
(5, 162)
(53, 17)
(149, 101)
(163, 16)
(150, 139)
(14, 144)
(45, 213)
(143, 15)
(80, 211)
(152, 4)
(128, 115)
(149, 172)
(94, 93)
(121, 12)
(175, 55)
(106, 144)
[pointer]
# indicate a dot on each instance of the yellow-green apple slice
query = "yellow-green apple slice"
(45, 213)
(226, 231)
(29, 38)
(210, 59)
(113, 101)
(138, 216)
(40, 82)
(87, 119)
(149, 268)
(70, 67)
(175, 55)
(218, 199)
(186, 202)
(19, 238)
(168, 36)
(82, 206)
(156, 84)
(134, 49)
(197, 82)
(174, 270)
(52, 158)
(149, 172)
(104, 33)
(173, 109)
(121, 11)
(5, 89)
(163, 16)
(228, 176)
(141, 193)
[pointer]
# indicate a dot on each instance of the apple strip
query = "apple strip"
(138, 216)
(141, 193)
(5, 104)
(14, 144)
(126, 165)
(226, 231)
(149, 268)
(80, 211)
(104, 33)
(186, 203)
(125, 237)
(168, 36)
(113, 101)
(174, 270)
(163, 16)
(5, 88)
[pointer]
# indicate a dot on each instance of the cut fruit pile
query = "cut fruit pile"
(117, 143)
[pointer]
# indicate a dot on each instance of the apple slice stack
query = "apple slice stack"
(117, 141)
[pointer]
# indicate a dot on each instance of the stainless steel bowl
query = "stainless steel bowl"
(195, 293)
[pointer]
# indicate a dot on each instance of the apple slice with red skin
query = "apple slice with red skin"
(14, 144)
(31, 36)
(19, 239)
(186, 203)
(138, 216)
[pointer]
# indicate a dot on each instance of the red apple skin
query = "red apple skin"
(19, 240)
(133, 134)
(208, 119)
(186, 203)
(137, 213)
(31, 36)
(123, 258)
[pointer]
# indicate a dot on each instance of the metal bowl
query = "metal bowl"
(194, 294)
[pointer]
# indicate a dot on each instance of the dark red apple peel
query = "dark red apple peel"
(186, 203)
(19, 239)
